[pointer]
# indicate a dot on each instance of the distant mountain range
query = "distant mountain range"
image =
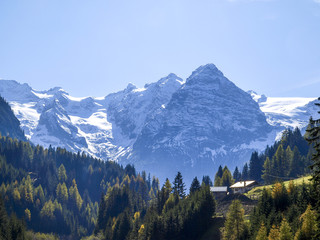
(171, 125)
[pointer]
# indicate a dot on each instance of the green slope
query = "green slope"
(256, 192)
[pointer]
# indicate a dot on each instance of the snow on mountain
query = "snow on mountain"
(169, 125)
(104, 127)
(131, 108)
(283, 112)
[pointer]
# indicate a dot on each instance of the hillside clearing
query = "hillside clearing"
(256, 192)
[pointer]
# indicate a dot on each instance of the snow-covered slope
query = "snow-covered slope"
(104, 127)
(284, 112)
(169, 125)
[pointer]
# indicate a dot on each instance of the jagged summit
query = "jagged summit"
(208, 69)
(171, 79)
(130, 87)
(210, 76)
(12, 90)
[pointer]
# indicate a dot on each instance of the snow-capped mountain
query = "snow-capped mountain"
(209, 121)
(192, 126)
(103, 127)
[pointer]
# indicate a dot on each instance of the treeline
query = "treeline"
(170, 215)
(286, 159)
(56, 191)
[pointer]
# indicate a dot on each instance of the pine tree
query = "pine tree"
(62, 174)
(74, 195)
(226, 179)
(278, 162)
(245, 172)
(179, 186)
(167, 186)
(285, 230)
(267, 177)
(234, 225)
(236, 174)
(309, 226)
(219, 172)
(262, 233)
(195, 185)
(296, 165)
(274, 233)
(255, 167)
(207, 181)
(218, 176)
(62, 193)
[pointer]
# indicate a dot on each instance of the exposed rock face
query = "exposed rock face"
(209, 121)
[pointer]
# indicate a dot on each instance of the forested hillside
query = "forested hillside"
(286, 159)
(170, 215)
(57, 191)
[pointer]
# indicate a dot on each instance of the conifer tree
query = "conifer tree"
(245, 172)
(296, 166)
(274, 233)
(218, 176)
(313, 138)
(278, 162)
(234, 224)
(255, 167)
(236, 174)
(62, 193)
(155, 184)
(262, 233)
(195, 185)
(219, 172)
(62, 174)
(267, 177)
(207, 181)
(287, 161)
(309, 226)
(74, 195)
(167, 186)
(179, 186)
(226, 179)
(285, 230)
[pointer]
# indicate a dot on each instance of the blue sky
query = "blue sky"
(96, 47)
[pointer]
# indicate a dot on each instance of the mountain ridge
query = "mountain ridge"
(187, 117)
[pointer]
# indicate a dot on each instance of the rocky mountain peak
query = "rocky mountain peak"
(130, 87)
(208, 69)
